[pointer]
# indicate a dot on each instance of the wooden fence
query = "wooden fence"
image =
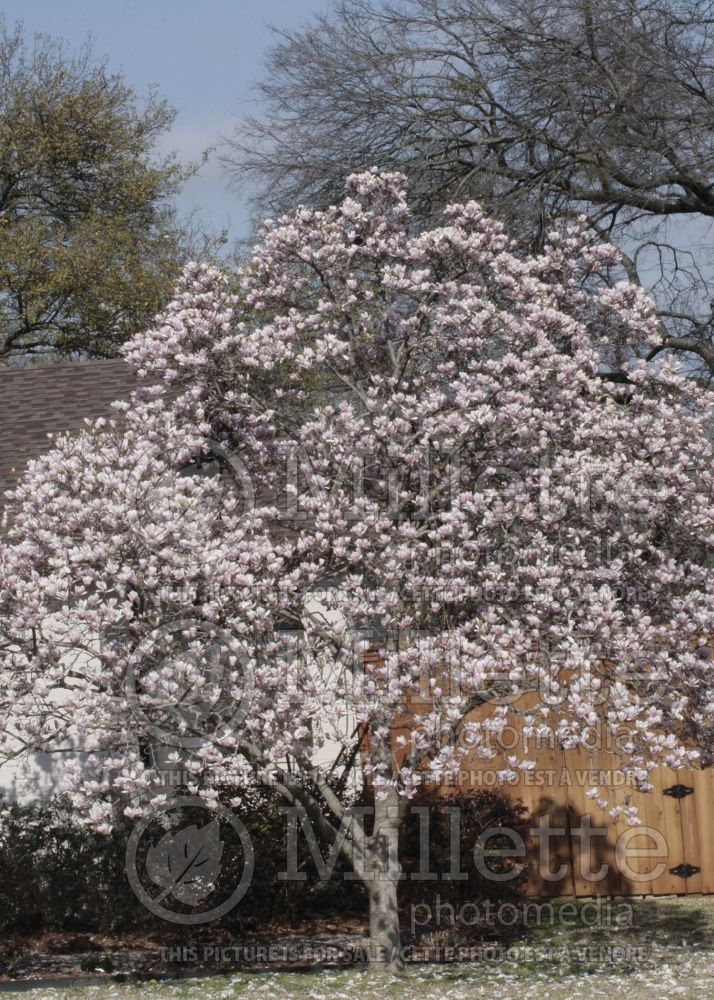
(577, 849)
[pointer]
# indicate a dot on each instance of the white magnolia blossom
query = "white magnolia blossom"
(414, 428)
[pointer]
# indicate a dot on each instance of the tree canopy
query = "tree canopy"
(90, 246)
(441, 476)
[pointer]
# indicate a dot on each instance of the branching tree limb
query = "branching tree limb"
(540, 111)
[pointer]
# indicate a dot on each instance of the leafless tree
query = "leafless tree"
(541, 110)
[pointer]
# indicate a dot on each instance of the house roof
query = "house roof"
(41, 400)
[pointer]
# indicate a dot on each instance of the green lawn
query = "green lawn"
(667, 952)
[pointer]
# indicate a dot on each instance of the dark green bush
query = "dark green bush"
(453, 902)
(57, 875)
(94, 962)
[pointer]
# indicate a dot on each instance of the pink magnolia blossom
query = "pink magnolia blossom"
(432, 451)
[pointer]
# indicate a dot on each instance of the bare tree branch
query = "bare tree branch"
(541, 111)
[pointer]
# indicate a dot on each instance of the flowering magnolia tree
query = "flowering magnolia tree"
(400, 442)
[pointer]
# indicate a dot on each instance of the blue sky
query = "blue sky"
(203, 55)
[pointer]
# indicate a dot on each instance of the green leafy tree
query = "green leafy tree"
(89, 240)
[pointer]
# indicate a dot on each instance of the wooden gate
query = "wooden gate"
(577, 849)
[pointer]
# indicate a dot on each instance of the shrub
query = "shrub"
(460, 906)
(55, 874)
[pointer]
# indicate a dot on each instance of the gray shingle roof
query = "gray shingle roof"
(47, 399)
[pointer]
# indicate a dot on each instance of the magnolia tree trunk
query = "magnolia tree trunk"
(382, 874)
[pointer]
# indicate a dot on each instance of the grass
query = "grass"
(662, 948)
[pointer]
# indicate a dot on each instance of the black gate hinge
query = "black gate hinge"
(679, 791)
(684, 870)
